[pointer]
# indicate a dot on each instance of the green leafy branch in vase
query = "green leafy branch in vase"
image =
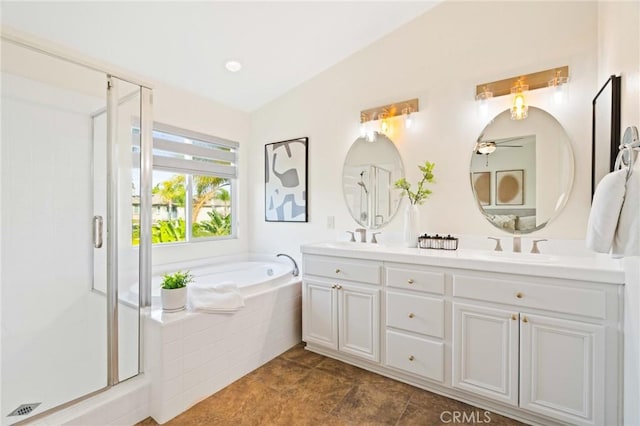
(421, 193)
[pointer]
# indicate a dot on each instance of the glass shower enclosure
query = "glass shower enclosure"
(72, 198)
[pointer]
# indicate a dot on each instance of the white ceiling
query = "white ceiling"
(186, 44)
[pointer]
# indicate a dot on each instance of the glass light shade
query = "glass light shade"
(483, 102)
(520, 109)
(408, 121)
(371, 135)
(384, 126)
(559, 88)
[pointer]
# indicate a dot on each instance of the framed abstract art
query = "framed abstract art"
(285, 179)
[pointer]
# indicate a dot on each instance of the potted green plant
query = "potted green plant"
(411, 217)
(174, 290)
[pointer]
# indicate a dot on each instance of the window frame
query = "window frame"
(189, 182)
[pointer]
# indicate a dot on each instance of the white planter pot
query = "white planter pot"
(411, 225)
(173, 299)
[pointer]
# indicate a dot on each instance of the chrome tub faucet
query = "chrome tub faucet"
(295, 271)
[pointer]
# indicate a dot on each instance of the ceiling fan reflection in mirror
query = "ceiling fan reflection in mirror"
(488, 147)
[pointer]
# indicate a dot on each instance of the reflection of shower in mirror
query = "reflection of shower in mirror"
(364, 198)
(362, 184)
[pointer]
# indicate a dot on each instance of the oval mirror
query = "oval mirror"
(522, 171)
(369, 172)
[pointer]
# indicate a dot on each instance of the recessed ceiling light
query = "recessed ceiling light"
(233, 66)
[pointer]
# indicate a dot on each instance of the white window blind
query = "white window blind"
(185, 151)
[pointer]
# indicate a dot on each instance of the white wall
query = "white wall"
(440, 57)
(619, 53)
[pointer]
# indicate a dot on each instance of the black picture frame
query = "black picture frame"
(605, 130)
(286, 193)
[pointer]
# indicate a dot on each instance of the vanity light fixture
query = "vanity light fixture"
(519, 109)
(516, 86)
(559, 86)
(385, 113)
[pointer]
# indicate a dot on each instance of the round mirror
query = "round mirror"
(369, 172)
(522, 171)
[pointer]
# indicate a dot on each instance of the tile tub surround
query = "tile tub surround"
(303, 388)
(191, 355)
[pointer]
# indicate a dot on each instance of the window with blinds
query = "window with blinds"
(194, 178)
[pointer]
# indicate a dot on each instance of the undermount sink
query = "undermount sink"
(511, 257)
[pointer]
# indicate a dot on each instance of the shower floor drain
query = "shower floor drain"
(24, 409)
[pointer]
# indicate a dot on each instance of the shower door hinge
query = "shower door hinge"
(109, 85)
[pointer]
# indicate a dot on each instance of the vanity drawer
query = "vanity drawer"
(569, 300)
(415, 279)
(415, 355)
(419, 314)
(342, 269)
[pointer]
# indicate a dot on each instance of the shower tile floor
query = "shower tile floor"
(303, 388)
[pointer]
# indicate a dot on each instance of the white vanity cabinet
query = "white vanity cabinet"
(551, 363)
(539, 343)
(341, 305)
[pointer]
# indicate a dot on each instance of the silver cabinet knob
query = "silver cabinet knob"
(411, 315)
(337, 270)
(334, 286)
(411, 357)
(339, 287)
(410, 281)
(519, 295)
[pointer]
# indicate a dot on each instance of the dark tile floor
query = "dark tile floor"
(303, 388)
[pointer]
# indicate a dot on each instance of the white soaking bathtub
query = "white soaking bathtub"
(253, 275)
(192, 355)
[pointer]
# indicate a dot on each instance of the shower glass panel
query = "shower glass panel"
(53, 271)
(128, 194)
(126, 170)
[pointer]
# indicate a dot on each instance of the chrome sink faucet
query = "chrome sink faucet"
(363, 234)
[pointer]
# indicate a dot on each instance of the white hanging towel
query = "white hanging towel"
(215, 298)
(627, 237)
(605, 211)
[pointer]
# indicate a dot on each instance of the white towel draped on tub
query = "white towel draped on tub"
(223, 297)
(627, 238)
(605, 211)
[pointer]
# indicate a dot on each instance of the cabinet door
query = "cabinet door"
(359, 321)
(562, 369)
(319, 314)
(485, 352)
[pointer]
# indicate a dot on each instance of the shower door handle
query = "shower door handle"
(97, 231)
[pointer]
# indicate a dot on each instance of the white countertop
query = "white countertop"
(595, 267)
